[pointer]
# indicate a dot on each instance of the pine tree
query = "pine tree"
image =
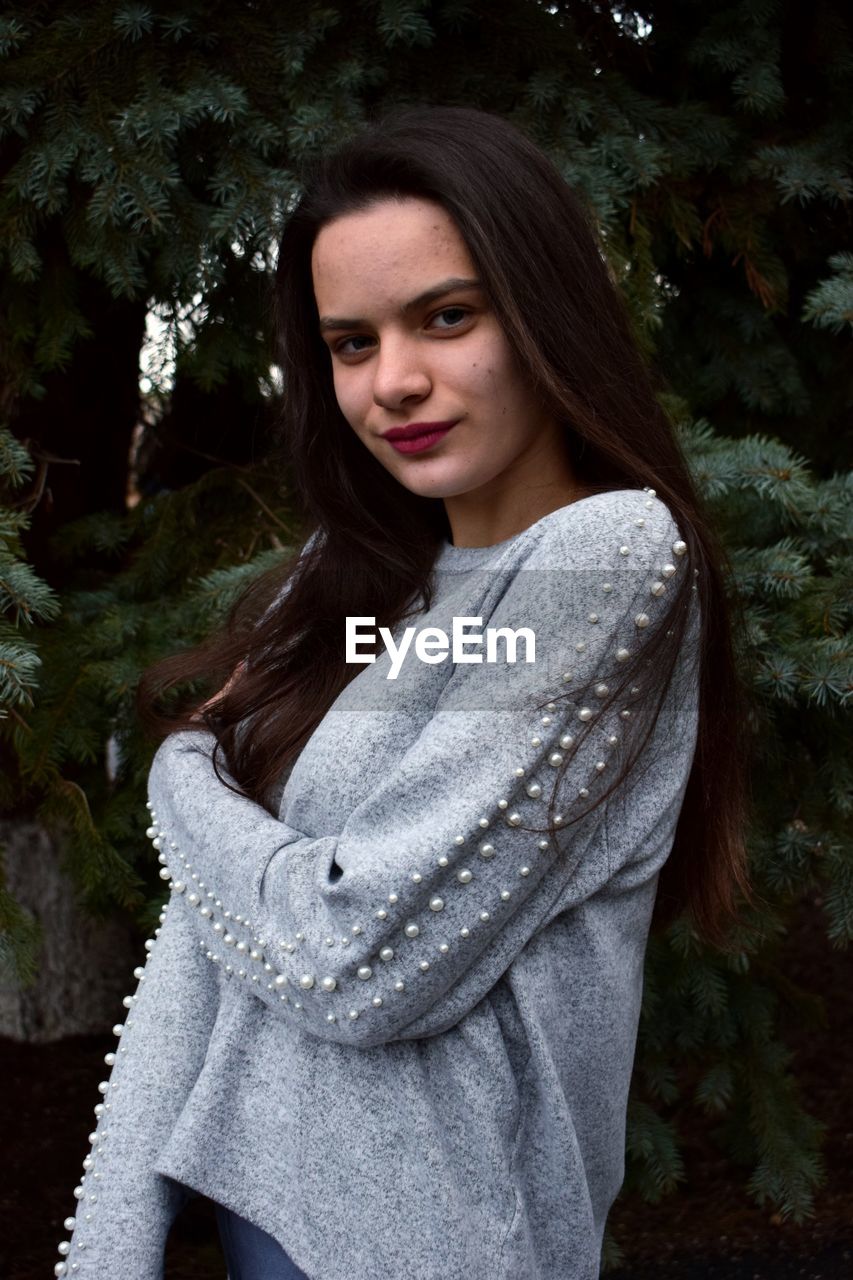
(149, 153)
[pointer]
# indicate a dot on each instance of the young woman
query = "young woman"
(482, 727)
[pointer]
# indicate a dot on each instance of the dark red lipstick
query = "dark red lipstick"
(417, 436)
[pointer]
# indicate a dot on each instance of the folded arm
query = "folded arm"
(399, 924)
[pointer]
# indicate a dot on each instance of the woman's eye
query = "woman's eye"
(449, 311)
(339, 347)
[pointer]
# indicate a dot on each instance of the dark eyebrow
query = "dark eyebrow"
(429, 295)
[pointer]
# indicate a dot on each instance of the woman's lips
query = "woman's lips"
(423, 440)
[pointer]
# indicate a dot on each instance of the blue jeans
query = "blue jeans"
(251, 1254)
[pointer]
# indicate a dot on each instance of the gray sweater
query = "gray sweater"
(395, 1025)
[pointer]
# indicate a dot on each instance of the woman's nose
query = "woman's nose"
(399, 374)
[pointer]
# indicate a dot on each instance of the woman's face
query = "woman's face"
(414, 340)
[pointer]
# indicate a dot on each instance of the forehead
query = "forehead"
(385, 254)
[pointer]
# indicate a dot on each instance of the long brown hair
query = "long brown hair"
(538, 257)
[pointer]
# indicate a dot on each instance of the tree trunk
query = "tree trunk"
(85, 967)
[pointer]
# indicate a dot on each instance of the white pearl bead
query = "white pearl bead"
(667, 571)
(436, 904)
(534, 790)
(601, 690)
(623, 551)
(307, 981)
(464, 876)
(514, 819)
(412, 930)
(679, 547)
(555, 759)
(566, 741)
(484, 915)
(642, 620)
(386, 953)
(364, 972)
(585, 714)
(328, 983)
(524, 871)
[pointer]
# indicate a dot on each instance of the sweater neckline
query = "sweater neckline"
(452, 557)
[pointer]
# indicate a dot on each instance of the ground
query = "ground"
(708, 1230)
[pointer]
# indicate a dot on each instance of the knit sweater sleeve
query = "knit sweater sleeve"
(159, 1054)
(400, 923)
